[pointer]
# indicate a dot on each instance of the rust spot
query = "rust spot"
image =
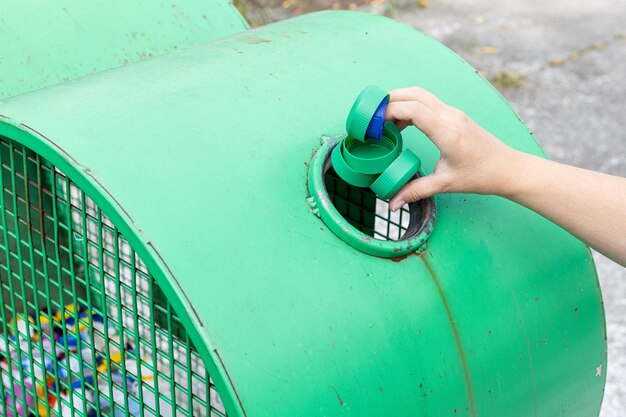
(457, 337)
(403, 257)
(230, 381)
(400, 258)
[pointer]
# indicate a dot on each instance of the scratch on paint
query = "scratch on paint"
(337, 393)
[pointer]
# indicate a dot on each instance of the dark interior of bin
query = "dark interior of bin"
(370, 214)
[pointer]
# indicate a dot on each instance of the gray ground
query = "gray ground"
(570, 58)
(562, 64)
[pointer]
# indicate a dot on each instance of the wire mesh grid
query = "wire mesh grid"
(366, 212)
(85, 329)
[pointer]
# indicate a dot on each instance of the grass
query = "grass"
(506, 80)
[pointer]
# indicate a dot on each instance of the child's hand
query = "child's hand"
(588, 204)
(472, 160)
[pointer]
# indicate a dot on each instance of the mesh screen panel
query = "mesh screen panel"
(85, 330)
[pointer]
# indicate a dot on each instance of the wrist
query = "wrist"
(512, 173)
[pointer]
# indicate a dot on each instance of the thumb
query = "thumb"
(417, 189)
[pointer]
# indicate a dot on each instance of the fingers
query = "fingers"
(417, 94)
(424, 118)
(417, 190)
(401, 124)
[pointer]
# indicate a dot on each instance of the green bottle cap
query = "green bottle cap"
(346, 173)
(363, 111)
(396, 175)
(373, 156)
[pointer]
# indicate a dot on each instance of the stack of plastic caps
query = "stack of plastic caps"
(371, 154)
(33, 352)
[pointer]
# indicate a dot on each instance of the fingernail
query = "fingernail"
(395, 205)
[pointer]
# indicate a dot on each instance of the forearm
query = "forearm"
(590, 205)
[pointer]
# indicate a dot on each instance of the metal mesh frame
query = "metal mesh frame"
(366, 212)
(58, 250)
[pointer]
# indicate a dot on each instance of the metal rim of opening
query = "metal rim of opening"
(79, 175)
(422, 213)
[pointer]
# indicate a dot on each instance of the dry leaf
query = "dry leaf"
(479, 20)
(506, 79)
(424, 4)
(556, 62)
(490, 50)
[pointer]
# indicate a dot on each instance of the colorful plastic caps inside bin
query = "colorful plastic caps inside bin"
(85, 357)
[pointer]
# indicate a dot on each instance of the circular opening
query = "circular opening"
(363, 220)
(370, 214)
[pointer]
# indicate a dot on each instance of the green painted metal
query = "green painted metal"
(199, 158)
(44, 43)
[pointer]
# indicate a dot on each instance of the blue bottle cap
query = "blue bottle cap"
(366, 105)
(375, 128)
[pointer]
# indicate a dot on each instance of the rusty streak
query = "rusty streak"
(455, 332)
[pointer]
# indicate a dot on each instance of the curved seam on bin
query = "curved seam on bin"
(457, 337)
(528, 349)
(526, 340)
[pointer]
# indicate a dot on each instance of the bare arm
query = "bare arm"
(590, 205)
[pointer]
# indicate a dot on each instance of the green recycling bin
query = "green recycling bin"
(175, 241)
